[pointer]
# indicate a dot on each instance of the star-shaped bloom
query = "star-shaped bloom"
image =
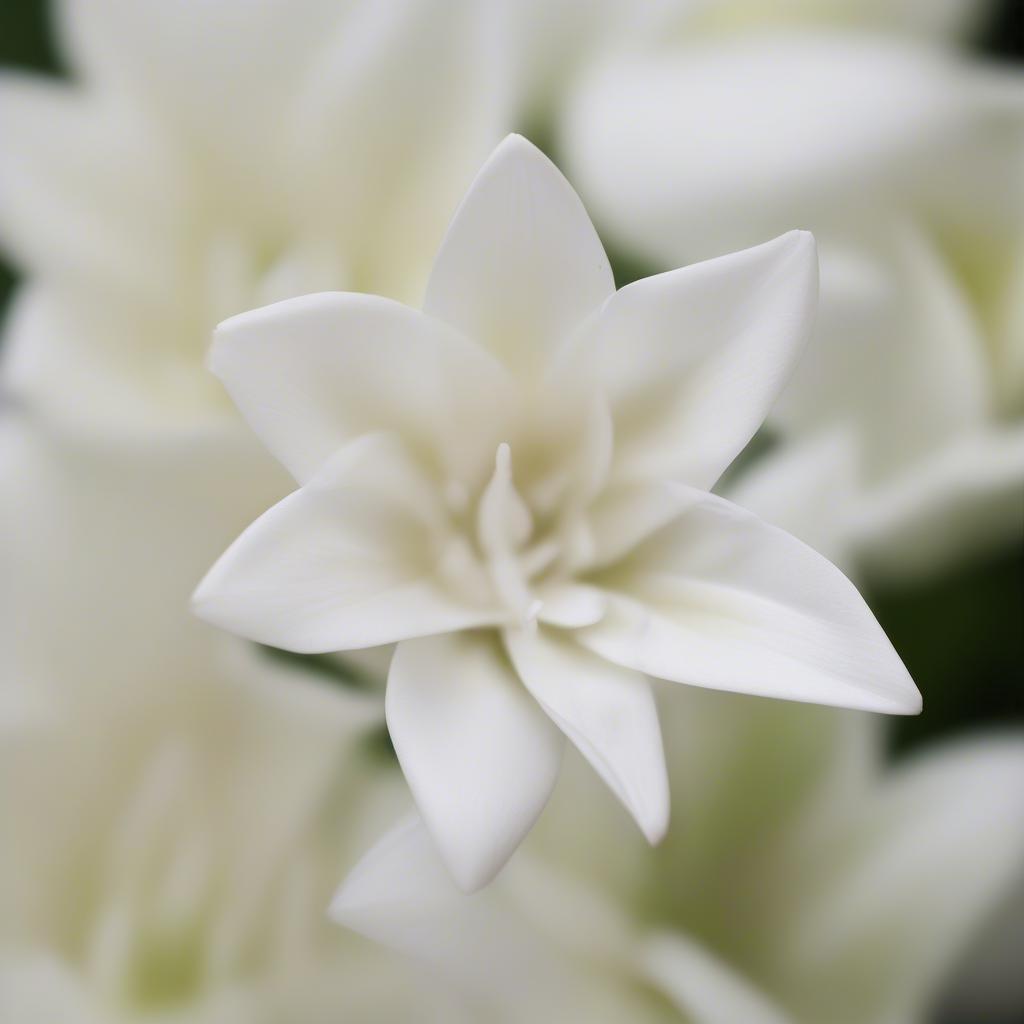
(918, 210)
(513, 486)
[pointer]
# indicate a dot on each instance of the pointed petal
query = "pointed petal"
(521, 265)
(609, 714)
(312, 373)
(719, 598)
(342, 563)
(480, 756)
(692, 360)
(806, 488)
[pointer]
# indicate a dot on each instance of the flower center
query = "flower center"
(501, 554)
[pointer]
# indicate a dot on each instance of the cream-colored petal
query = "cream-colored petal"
(521, 266)
(479, 754)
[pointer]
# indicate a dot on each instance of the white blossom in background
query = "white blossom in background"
(553, 40)
(178, 806)
(171, 863)
(205, 158)
(805, 883)
(908, 163)
(220, 156)
(513, 485)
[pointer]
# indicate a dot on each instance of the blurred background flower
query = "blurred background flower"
(818, 885)
(177, 806)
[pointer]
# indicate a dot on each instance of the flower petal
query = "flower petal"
(570, 606)
(85, 186)
(719, 598)
(692, 360)
(521, 265)
(680, 159)
(342, 563)
(401, 895)
(706, 990)
(806, 488)
(385, 175)
(245, 62)
(480, 756)
(911, 880)
(965, 500)
(310, 374)
(898, 351)
(609, 714)
(530, 941)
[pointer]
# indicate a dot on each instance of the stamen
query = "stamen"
(503, 521)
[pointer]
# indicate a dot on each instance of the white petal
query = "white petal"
(245, 61)
(385, 176)
(719, 598)
(806, 488)
(75, 358)
(570, 606)
(622, 517)
(706, 990)
(965, 500)
(312, 373)
(609, 714)
(692, 360)
(108, 539)
(342, 563)
(480, 756)
(917, 873)
(521, 265)
(401, 895)
(681, 158)
(85, 187)
(898, 351)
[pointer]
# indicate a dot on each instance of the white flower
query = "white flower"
(907, 163)
(513, 484)
(554, 39)
(209, 157)
(810, 885)
(170, 859)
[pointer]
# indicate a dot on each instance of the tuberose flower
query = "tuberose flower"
(513, 485)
